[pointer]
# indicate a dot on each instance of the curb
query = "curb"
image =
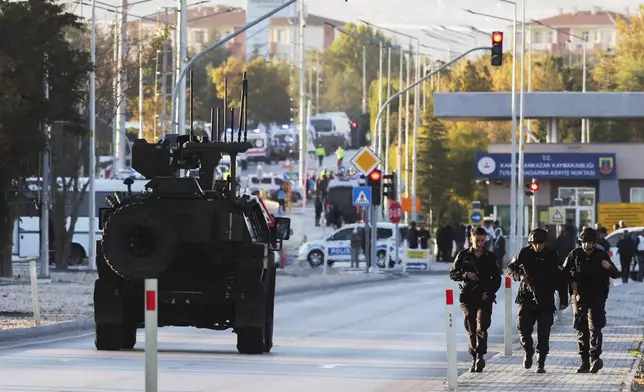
(88, 324)
(46, 330)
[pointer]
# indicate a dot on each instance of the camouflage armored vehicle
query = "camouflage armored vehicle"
(210, 248)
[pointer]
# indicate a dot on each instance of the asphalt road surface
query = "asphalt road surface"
(387, 337)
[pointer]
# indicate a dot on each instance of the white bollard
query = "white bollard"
(151, 338)
(33, 275)
(507, 330)
(452, 364)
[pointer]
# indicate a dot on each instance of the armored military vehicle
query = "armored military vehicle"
(210, 247)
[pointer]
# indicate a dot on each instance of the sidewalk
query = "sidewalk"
(622, 340)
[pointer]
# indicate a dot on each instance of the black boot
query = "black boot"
(480, 363)
(596, 365)
(473, 367)
(527, 359)
(541, 363)
(584, 367)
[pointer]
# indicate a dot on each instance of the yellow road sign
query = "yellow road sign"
(366, 160)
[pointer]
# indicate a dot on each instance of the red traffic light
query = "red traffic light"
(375, 175)
(354, 124)
(497, 37)
(534, 186)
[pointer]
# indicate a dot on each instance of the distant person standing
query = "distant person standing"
(424, 236)
(626, 249)
(460, 233)
(318, 209)
(320, 152)
(412, 236)
(356, 245)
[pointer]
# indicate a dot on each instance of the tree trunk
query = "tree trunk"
(6, 234)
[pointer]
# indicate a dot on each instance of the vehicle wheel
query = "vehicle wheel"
(129, 337)
(270, 309)
(380, 258)
(76, 255)
(315, 258)
(138, 242)
(108, 337)
(250, 340)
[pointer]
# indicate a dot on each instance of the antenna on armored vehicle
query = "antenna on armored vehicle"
(242, 107)
(212, 124)
(225, 111)
(192, 96)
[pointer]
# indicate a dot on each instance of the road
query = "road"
(388, 337)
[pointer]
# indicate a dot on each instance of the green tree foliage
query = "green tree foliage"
(344, 57)
(269, 99)
(38, 47)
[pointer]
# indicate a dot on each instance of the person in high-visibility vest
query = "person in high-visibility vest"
(339, 153)
(225, 176)
(320, 152)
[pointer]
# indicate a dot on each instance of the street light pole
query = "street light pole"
(387, 123)
(521, 213)
(584, 121)
(92, 144)
(364, 79)
(400, 130)
(377, 140)
(181, 57)
(303, 126)
(414, 157)
(141, 97)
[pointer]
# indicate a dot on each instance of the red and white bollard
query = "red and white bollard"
(450, 330)
(151, 338)
(509, 325)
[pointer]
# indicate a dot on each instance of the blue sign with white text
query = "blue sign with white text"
(497, 166)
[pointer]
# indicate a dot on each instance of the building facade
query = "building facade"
(592, 180)
(207, 24)
(597, 26)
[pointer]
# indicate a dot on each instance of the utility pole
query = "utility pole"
(141, 78)
(414, 211)
(387, 125)
(408, 82)
(364, 82)
(164, 78)
(45, 191)
(380, 97)
(303, 128)
(122, 87)
(181, 57)
(400, 130)
(92, 145)
(317, 84)
(115, 94)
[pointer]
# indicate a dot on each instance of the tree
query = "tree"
(345, 56)
(434, 170)
(268, 95)
(38, 44)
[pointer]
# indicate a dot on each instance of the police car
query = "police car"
(337, 246)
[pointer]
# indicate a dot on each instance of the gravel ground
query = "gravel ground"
(69, 296)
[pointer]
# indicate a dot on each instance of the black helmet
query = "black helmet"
(588, 235)
(538, 236)
(478, 230)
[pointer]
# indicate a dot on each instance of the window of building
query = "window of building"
(537, 37)
(585, 35)
(598, 36)
(637, 195)
(200, 37)
(282, 36)
(551, 37)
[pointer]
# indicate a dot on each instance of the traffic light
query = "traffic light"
(531, 188)
(375, 182)
(389, 186)
(497, 49)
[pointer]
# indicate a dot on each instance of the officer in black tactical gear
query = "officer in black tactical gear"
(476, 267)
(589, 270)
(537, 267)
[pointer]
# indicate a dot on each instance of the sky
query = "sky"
(409, 16)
